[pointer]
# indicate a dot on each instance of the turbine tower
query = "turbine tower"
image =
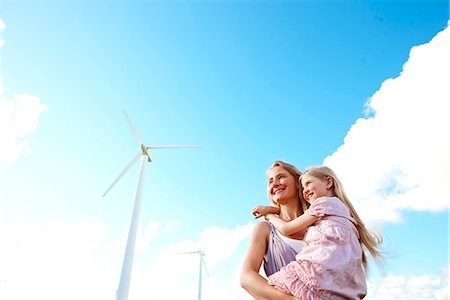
(202, 263)
(145, 156)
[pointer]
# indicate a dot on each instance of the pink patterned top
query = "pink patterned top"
(331, 262)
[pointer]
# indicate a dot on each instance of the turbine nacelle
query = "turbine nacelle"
(145, 151)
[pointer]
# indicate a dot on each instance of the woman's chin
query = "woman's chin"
(281, 200)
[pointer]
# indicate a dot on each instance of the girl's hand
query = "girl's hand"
(262, 210)
(259, 211)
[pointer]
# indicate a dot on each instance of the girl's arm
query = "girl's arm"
(262, 210)
(287, 228)
(251, 280)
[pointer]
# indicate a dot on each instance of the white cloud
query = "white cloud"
(59, 260)
(47, 260)
(19, 117)
(152, 230)
(220, 243)
(55, 260)
(399, 156)
(171, 269)
(426, 286)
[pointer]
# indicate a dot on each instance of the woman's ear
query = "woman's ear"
(299, 183)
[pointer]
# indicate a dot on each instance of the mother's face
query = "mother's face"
(281, 185)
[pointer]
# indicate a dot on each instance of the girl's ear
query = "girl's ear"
(330, 182)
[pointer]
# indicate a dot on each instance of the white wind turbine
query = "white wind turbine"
(202, 263)
(144, 154)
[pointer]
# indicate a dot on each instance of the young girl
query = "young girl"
(330, 265)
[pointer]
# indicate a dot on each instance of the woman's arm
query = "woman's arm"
(287, 228)
(251, 280)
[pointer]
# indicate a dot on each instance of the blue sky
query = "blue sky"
(357, 85)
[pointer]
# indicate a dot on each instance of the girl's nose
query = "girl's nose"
(305, 191)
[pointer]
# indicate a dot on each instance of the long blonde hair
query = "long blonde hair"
(296, 173)
(369, 241)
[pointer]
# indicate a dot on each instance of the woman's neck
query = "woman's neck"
(290, 211)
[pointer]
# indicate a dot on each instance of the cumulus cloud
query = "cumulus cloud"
(144, 237)
(19, 117)
(53, 260)
(171, 269)
(58, 260)
(152, 230)
(398, 157)
(426, 286)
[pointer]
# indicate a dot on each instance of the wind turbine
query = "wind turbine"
(200, 253)
(145, 155)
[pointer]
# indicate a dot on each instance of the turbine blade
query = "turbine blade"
(132, 161)
(188, 252)
(133, 130)
(173, 146)
(204, 264)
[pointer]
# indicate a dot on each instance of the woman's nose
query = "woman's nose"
(273, 184)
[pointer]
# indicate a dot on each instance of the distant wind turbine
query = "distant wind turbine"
(201, 264)
(144, 154)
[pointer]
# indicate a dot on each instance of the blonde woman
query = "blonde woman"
(268, 247)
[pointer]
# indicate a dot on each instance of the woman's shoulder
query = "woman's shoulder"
(261, 229)
(262, 226)
(260, 233)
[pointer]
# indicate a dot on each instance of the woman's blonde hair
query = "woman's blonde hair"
(370, 241)
(296, 173)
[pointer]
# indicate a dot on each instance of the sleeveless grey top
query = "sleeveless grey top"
(281, 250)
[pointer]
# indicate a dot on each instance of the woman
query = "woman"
(266, 244)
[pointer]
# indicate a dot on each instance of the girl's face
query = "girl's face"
(281, 185)
(314, 187)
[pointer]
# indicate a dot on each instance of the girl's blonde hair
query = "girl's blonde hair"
(370, 241)
(296, 173)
